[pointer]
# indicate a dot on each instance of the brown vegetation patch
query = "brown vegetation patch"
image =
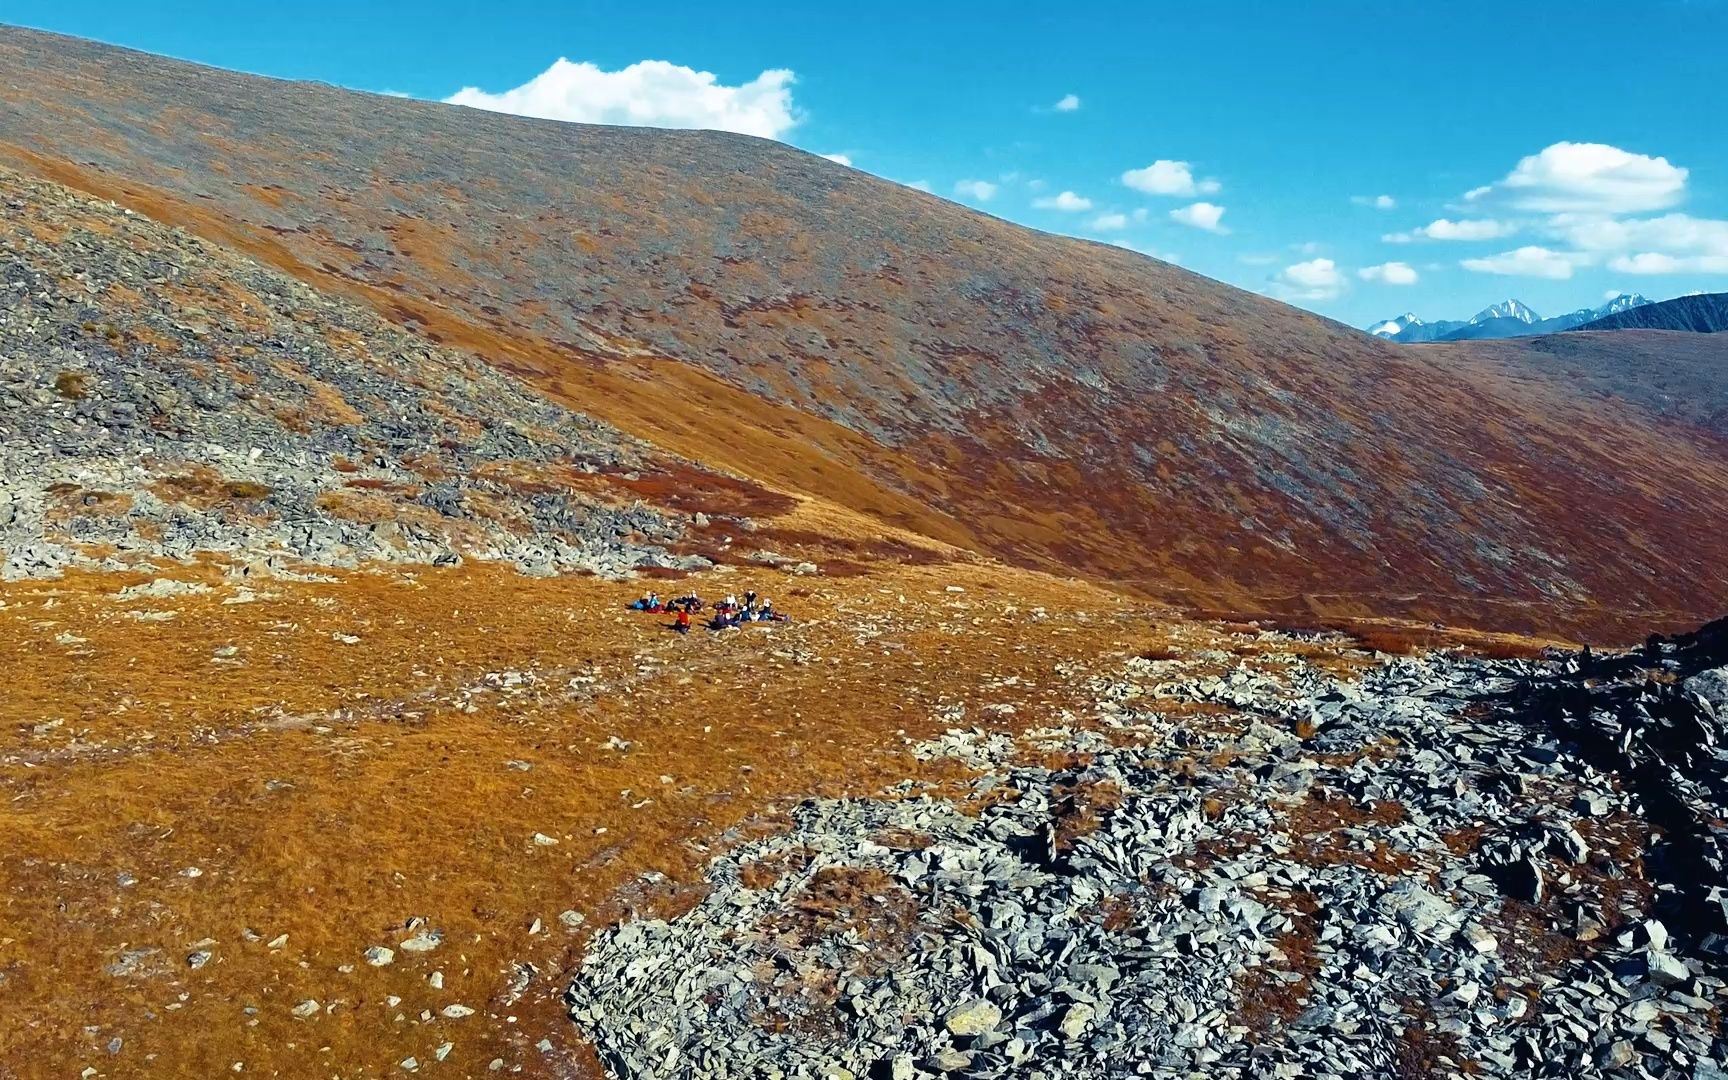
(767, 871)
(898, 838)
(1079, 809)
(1422, 1053)
(202, 487)
(1531, 943)
(690, 489)
(1269, 1003)
(72, 385)
(864, 901)
(1331, 829)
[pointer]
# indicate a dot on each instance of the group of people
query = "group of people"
(728, 613)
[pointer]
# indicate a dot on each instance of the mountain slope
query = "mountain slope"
(1702, 314)
(1061, 404)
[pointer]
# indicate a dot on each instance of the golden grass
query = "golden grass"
(327, 786)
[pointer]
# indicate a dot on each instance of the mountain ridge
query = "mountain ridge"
(1508, 318)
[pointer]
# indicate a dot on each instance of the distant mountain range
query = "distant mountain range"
(1704, 313)
(1509, 318)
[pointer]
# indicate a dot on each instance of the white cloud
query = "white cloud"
(1670, 244)
(1392, 273)
(1110, 222)
(1378, 202)
(1069, 103)
(1587, 178)
(1531, 261)
(919, 185)
(1175, 178)
(648, 93)
(1657, 262)
(1613, 294)
(1200, 215)
(1067, 202)
(1680, 235)
(842, 159)
(1468, 229)
(979, 190)
(1444, 229)
(1316, 279)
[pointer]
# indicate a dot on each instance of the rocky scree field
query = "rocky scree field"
(1432, 867)
(163, 397)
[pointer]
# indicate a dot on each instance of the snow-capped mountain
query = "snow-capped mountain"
(1623, 302)
(1508, 318)
(1395, 327)
(1506, 309)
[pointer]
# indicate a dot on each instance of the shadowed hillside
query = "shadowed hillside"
(1058, 403)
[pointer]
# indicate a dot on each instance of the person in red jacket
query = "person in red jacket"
(682, 625)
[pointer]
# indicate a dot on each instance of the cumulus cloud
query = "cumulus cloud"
(1530, 261)
(1658, 262)
(648, 93)
(1678, 235)
(1392, 273)
(1200, 215)
(1314, 280)
(1467, 229)
(1174, 178)
(1444, 229)
(1378, 202)
(1069, 103)
(979, 190)
(1587, 178)
(1067, 202)
(1110, 222)
(842, 159)
(919, 185)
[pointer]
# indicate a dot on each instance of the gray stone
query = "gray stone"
(1075, 1020)
(1711, 685)
(1664, 969)
(972, 1017)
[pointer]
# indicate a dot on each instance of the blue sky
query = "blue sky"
(1589, 133)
